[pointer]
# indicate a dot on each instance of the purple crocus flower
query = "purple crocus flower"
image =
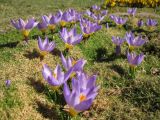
(65, 18)
(133, 59)
(7, 82)
(134, 41)
(42, 26)
(88, 27)
(52, 21)
(24, 26)
(112, 17)
(151, 23)
(132, 11)
(45, 46)
(70, 38)
(140, 23)
(82, 95)
(95, 8)
(118, 42)
(119, 20)
(75, 16)
(56, 78)
(68, 63)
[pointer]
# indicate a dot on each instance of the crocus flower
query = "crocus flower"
(69, 62)
(134, 41)
(52, 20)
(88, 27)
(56, 78)
(151, 23)
(118, 42)
(112, 17)
(82, 95)
(132, 11)
(24, 26)
(134, 60)
(75, 16)
(7, 82)
(42, 26)
(65, 18)
(70, 38)
(95, 8)
(119, 20)
(45, 46)
(140, 23)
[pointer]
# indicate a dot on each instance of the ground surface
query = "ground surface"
(119, 98)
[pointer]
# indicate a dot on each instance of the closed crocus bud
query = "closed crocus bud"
(118, 42)
(132, 11)
(7, 82)
(140, 23)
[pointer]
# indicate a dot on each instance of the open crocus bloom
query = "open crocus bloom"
(68, 63)
(82, 95)
(56, 78)
(52, 20)
(135, 60)
(118, 42)
(45, 46)
(132, 11)
(42, 26)
(151, 23)
(134, 41)
(70, 38)
(24, 26)
(75, 16)
(88, 27)
(65, 17)
(119, 20)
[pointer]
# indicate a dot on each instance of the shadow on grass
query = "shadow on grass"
(103, 56)
(9, 45)
(32, 55)
(37, 85)
(121, 71)
(47, 111)
(56, 52)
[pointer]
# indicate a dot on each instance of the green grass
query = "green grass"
(119, 97)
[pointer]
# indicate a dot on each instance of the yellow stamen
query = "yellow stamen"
(51, 26)
(55, 88)
(43, 53)
(25, 33)
(72, 111)
(86, 35)
(74, 62)
(131, 48)
(63, 23)
(72, 75)
(68, 46)
(43, 30)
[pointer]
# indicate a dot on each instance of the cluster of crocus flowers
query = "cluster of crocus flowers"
(132, 11)
(118, 42)
(80, 98)
(70, 38)
(134, 60)
(24, 26)
(134, 41)
(45, 46)
(88, 28)
(97, 16)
